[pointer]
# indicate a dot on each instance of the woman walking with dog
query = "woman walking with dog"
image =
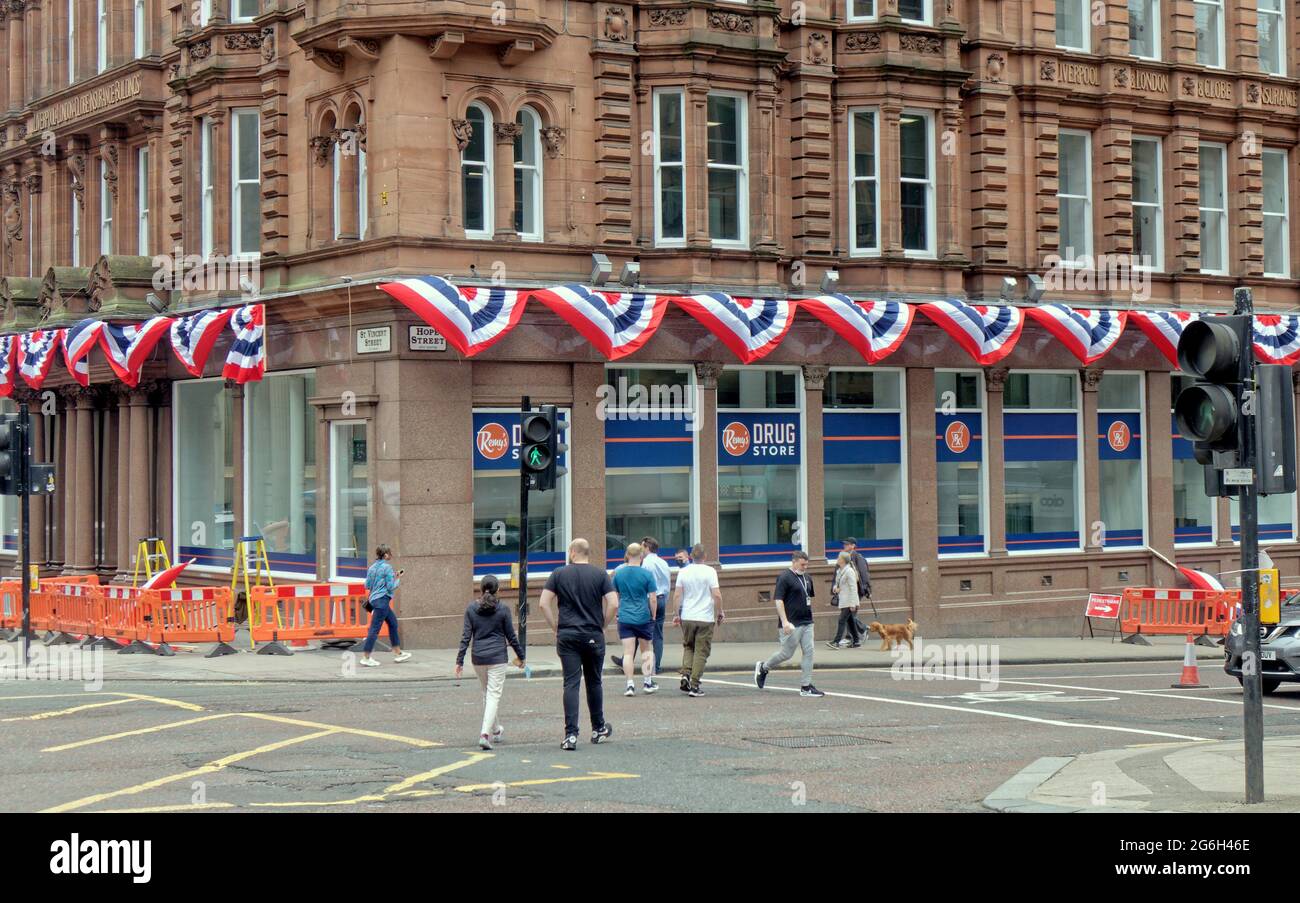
(489, 627)
(844, 589)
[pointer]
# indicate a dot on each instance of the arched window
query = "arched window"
(350, 198)
(476, 174)
(528, 176)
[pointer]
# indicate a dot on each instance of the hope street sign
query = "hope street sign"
(425, 338)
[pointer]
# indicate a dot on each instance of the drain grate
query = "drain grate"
(820, 742)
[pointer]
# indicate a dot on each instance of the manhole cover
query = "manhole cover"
(826, 740)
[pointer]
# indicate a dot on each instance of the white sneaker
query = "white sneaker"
(631, 689)
(370, 662)
(484, 742)
(405, 656)
(499, 734)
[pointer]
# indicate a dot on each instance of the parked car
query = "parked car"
(1279, 647)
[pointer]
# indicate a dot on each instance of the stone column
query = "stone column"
(238, 399)
(503, 178)
(587, 453)
(695, 152)
(39, 503)
(951, 172)
(139, 480)
(82, 522)
(108, 488)
(17, 59)
(995, 456)
(161, 524)
(922, 475)
(1157, 442)
(126, 538)
(814, 381)
(32, 182)
(706, 438)
(888, 191)
(1091, 380)
(61, 554)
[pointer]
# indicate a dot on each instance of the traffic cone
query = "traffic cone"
(1191, 679)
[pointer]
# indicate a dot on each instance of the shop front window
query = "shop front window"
(760, 466)
(1193, 510)
(1040, 427)
(863, 485)
(280, 476)
(1120, 460)
(204, 480)
(959, 455)
(496, 501)
(350, 512)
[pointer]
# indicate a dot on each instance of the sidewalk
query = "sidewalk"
(1204, 776)
(321, 664)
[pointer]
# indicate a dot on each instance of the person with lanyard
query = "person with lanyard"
(793, 591)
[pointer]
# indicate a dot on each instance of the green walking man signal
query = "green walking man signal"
(542, 447)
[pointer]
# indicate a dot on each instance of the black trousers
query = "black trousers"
(849, 621)
(582, 655)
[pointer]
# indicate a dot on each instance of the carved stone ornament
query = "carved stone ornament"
(1047, 70)
(1091, 380)
(1121, 77)
(819, 47)
(920, 43)
(726, 21)
(13, 213)
(173, 71)
(1252, 92)
(32, 182)
(552, 140)
(77, 167)
(322, 146)
(994, 66)
(707, 373)
(861, 41)
(16, 8)
(200, 50)
(463, 129)
(507, 132)
(110, 168)
(667, 18)
(1189, 85)
(615, 23)
(244, 40)
(21, 132)
(814, 376)
(995, 378)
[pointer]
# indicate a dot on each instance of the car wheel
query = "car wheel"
(1268, 685)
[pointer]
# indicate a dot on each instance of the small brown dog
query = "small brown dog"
(890, 634)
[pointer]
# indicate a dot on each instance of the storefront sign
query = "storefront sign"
(497, 440)
(1080, 74)
(374, 339)
(92, 101)
(425, 338)
(958, 436)
(1102, 605)
(1119, 435)
(762, 438)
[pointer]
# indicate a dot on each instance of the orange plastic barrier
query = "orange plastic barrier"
(78, 608)
(189, 615)
(313, 611)
(121, 618)
(11, 605)
(1200, 612)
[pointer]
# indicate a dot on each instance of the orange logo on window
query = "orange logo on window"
(1118, 435)
(957, 437)
(735, 438)
(493, 441)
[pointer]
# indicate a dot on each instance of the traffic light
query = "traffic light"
(542, 447)
(1274, 429)
(1215, 351)
(11, 454)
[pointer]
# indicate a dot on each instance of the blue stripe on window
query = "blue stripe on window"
(861, 438)
(1193, 534)
(500, 563)
(778, 553)
(1029, 542)
(1041, 437)
(1266, 532)
(1119, 539)
(206, 557)
(961, 545)
(870, 548)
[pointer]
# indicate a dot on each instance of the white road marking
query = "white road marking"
(973, 711)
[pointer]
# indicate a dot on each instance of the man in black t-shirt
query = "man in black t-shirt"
(795, 624)
(578, 601)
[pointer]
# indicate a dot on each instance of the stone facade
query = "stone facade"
(387, 88)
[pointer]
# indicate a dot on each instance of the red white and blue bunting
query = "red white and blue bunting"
(127, 346)
(1277, 338)
(1164, 328)
(987, 332)
(750, 327)
(1089, 334)
(615, 323)
(873, 328)
(471, 319)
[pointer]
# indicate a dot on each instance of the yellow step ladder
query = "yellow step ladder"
(250, 559)
(150, 554)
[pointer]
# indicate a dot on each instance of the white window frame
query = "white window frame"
(1280, 31)
(141, 22)
(983, 411)
(207, 188)
(1084, 10)
(363, 187)
(234, 17)
(1285, 215)
(533, 134)
(1141, 411)
(101, 35)
(1159, 262)
(802, 409)
(205, 12)
(31, 233)
(1085, 259)
(176, 483)
(336, 429)
(1079, 475)
(1155, 38)
(931, 250)
(489, 190)
(72, 41)
(238, 118)
(105, 211)
(927, 14)
(1222, 213)
(142, 200)
(335, 171)
(659, 165)
(742, 168)
(854, 179)
(904, 472)
(850, 16)
(1214, 502)
(76, 231)
(1221, 47)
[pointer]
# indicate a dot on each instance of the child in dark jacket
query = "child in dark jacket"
(489, 627)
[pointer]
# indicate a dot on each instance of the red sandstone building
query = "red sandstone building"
(922, 149)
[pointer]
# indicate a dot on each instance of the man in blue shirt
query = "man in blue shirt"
(636, 616)
(663, 584)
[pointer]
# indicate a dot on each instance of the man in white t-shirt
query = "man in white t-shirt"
(697, 607)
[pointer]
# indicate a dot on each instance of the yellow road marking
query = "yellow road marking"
(209, 768)
(562, 767)
(57, 712)
(401, 788)
(378, 735)
(135, 733)
(188, 706)
(590, 776)
(182, 807)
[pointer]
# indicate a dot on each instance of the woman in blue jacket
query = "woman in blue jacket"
(381, 583)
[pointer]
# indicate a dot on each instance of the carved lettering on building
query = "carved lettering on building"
(1080, 74)
(1280, 97)
(94, 101)
(1153, 82)
(1214, 89)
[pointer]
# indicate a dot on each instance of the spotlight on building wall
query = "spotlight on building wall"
(631, 274)
(1037, 288)
(601, 269)
(830, 279)
(155, 303)
(1008, 287)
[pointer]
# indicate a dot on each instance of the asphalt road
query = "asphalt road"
(899, 744)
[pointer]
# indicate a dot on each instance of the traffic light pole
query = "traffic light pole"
(525, 406)
(24, 528)
(1251, 678)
